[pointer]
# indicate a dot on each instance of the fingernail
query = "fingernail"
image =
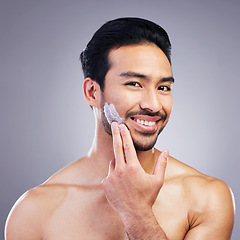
(166, 155)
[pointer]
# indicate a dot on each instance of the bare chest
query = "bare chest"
(89, 217)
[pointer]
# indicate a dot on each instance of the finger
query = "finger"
(128, 146)
(161, 164)
(117, 146)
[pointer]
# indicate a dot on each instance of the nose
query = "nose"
(151, 101)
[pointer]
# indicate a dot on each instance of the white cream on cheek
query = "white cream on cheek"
(112, 114)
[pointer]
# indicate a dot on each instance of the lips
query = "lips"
(146, 123)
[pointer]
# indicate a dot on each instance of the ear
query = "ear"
(92, 92)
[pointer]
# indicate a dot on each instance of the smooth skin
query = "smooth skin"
(118, 192)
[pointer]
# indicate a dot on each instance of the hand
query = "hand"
(128, 188)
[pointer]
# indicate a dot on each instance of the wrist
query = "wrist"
(135, 217)
(142, 225)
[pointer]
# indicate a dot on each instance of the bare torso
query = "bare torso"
(63, 208)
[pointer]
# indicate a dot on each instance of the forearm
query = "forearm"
(142, 227)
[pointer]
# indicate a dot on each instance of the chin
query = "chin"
(146, 141)
(140, 146)
(143, 148)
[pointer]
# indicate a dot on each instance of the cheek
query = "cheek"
(124, 103)
(167, 105)
(126, 100)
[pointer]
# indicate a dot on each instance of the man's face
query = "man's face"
(139, 83)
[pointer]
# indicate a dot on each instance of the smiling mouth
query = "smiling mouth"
(146, 121)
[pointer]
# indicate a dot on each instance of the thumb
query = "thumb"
(161, 164)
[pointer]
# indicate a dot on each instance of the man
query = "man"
(124, 188)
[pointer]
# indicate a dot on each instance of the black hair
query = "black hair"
(117, 33)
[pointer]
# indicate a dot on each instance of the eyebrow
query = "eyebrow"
(144, 77)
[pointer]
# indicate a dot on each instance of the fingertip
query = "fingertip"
(121, 129)
(114, 124)
(166, 154)
(163, 158)
(161, 163)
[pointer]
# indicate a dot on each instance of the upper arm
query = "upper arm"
(24, 221)
(216, 218)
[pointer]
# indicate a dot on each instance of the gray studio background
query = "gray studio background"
(44, 121)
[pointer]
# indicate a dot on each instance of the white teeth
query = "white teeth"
(146, 123)
(151, 123)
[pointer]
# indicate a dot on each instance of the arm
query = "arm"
(217, 213)
(130, 190)
(23, 222)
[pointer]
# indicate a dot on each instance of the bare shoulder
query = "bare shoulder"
(210, 200)
(195, 181)
(32, 209)
(204, 188)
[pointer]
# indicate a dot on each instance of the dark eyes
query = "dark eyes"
(134, 84)
(163, 88)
